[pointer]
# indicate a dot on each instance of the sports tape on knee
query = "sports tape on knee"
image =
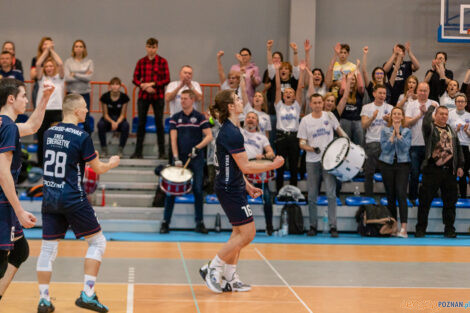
(96, 247)
(47, 255)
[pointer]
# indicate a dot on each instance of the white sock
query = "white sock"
(89, 285)
(217, 262)
(230, 269)
(44, 292)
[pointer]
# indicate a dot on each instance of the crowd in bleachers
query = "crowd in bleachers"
(362, 102)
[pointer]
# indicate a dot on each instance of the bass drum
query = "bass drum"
(343, 158)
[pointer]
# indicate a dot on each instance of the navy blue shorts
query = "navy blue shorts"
(83, 222)
(236, 207)
(10, 227)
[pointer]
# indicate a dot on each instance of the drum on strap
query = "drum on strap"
(175, 180)
(343, 158)
(90, 180)
(263, 177)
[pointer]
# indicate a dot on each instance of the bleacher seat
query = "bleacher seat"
(378, 177)
(149, 125)
(437, 203)
(32, 148)
(358, 179)
(212, 199)
(23, 196)
(188, 198)
(286, 175)
(356, 201)
(463, 203)
(91, 123)
(276, 201)
(383, 201)
(258, 200)
(323, 201)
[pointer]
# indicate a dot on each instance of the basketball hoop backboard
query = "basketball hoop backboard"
(455, 21)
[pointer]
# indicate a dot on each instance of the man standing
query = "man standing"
(175, 88)
(151, 75)
(414, 114)
(443, 161)
(189, 133)
(67, 148)
(257, 147)
(14, 248)
(315, 133)
(7, 70)
(374, 117)
(10, 47)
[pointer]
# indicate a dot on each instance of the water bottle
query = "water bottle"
(325, 221)
(284, 224)
(217, 226)
(357, 193)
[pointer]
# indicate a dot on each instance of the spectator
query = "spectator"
(259, 107)
(257, 147)
(378, 77)
(78, 72)
(6, 67)
(252, 71)
(438, 76)
(10, 47)
(337, 69)
(406, 68)
(442, 164)
(374, 117)
(232, 81)
(409, 94)
(395, 143)
(49, 68)
(448, 97)
(43, 44)
(459, 120)
(175, 88)
(315, 133)
(466, 89)
(288, 114)
(151, 75)
(114, 105)
(190, 133)
(414, 114)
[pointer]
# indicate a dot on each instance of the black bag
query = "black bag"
(375, 220)
(159, 198)
(294, 218)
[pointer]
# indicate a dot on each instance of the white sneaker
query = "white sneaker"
(235, 284)
(402, 233)
(213, 278)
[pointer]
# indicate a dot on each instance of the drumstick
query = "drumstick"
(185, 166)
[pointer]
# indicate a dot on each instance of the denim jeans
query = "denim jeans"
(197, 167)
(354, 130)
(372, 150)
(417, 158)
(314, 171)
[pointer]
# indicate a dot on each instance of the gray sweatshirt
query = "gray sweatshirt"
(80, 82)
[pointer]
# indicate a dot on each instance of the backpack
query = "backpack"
(375, 220)
(295, 219)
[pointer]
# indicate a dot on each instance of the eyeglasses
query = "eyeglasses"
(460, 101)
(245, 55)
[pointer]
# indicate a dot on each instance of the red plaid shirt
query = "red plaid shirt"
(155, 70)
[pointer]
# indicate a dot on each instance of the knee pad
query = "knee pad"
(47, 255)
(20, 252)
(3, 262)
(96, 247)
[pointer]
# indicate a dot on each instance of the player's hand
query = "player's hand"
(253, 191)
(26, 219)
(114, 161)
(278, 162)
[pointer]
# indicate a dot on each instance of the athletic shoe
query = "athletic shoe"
(203, 271)
(164, 228)
(214, 279)
(45, 306)
(90, 303)
(235, 284)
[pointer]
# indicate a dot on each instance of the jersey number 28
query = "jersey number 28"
(55, 163)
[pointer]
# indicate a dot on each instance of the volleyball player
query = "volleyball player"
(231, 187)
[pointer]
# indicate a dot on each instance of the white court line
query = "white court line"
(130, 290)
(283, 280)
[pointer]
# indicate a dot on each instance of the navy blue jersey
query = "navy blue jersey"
(229, 141)
(10, 141)
(189, 128)
(66, 150)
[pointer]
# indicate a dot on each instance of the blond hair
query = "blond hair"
(71, 102)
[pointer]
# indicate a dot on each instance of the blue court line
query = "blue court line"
(344, 239)
(188, 277)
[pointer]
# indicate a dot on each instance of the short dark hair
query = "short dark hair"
(317, 69)
(402, 47)
(6, 52)
(443, 53)
(278, 53)
(245, 49)
(379, 86)
(152, 42)
(346, 47)
(115, 80)
(439, 107)
(189, 92)
(9, 42)
(316, 95)
(9, 87)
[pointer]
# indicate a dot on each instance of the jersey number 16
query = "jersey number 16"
(54, 165)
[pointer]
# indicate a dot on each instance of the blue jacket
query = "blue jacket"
(400, 146)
